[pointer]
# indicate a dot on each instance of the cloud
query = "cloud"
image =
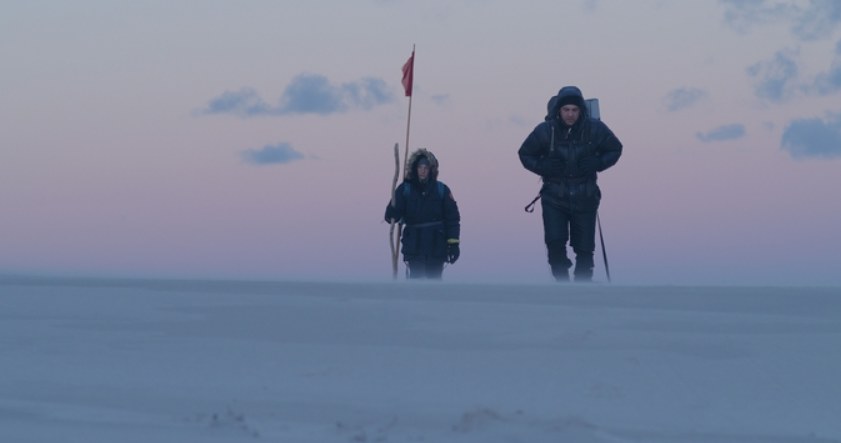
(773, 79)
(366, 93)
(828, 82)
(723, 133)
(818, 19)
(683, 98)
(813, 137)
(741, 15)
(306, 94)
(271, 154)
(311, 94)
(244, 102)
(810, 20)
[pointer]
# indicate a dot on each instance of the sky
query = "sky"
(213, 139)
(317, 362)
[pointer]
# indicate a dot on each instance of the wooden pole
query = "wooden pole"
(406, 147)
(409, 118)
(394, 242)
(405, 163)
(405, 167)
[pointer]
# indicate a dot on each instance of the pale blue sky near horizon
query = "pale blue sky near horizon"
(215, 139)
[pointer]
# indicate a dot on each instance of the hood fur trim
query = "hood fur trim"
(412, 165)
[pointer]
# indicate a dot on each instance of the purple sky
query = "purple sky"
(208, 139)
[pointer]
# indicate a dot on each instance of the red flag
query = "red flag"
(408, 74)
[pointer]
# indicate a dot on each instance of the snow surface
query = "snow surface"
(213, 361)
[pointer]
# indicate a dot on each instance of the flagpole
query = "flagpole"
(408, 82)
(409, 117)
(406, 146)
(405, 163)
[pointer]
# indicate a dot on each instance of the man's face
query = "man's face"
(423, 171)
(569, 114)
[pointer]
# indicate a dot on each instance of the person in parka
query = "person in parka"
(430, 216)
(568, 150)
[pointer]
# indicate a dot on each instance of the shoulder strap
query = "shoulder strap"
(407, 189)
(594, 128)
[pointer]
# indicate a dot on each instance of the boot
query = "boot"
(583, 267)
(561, 273)
(558, 260)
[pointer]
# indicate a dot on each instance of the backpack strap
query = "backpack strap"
(407, 189)
(440, 189)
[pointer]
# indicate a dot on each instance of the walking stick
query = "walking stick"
(408, 80)
(392, 241)
(604, 252)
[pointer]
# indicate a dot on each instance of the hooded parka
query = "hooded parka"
(568, 158)
(428, 211)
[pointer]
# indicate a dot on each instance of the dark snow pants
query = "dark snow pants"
(425, 267)
(579, 228)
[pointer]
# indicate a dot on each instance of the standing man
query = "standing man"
(431, 217)
(567, 150)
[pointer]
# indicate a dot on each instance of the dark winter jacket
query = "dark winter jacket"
(558, 152)
(428, 210)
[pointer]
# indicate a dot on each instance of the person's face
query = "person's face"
(569, 114)
(423, 171)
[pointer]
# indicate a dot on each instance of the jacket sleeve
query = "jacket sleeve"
(608, 147)
(533, 150)
(452, 218)
(398, 211)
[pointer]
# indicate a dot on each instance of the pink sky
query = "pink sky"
(127, 133)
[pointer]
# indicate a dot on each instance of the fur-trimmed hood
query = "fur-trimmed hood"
(413, 162)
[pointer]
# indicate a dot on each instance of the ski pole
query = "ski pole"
(604, 252)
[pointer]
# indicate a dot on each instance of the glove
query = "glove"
(452, 252)
(553, 167)
(391, 214)
(589, 165)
